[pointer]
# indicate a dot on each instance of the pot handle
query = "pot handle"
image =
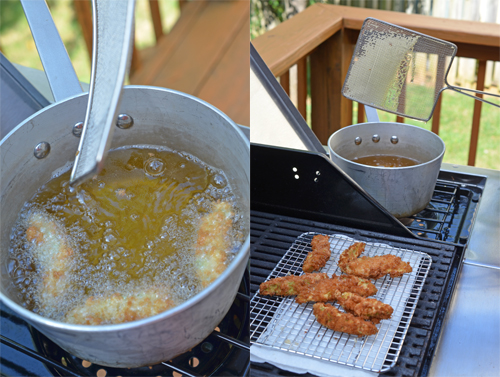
(371, 114)
(60, 73)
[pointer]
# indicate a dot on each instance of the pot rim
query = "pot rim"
(131, 87)
(243, 252)
(437, 137)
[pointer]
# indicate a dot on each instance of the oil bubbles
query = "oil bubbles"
(154, 167)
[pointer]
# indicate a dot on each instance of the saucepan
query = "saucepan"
(160, 117)
(403, 191)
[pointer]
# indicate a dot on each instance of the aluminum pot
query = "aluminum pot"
(403, 191)
(161, 117)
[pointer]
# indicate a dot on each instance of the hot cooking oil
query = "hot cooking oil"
(130, 227)
(388, 161)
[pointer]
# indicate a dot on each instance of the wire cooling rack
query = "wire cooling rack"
(281, 323)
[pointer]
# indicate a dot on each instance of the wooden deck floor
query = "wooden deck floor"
(206, 54)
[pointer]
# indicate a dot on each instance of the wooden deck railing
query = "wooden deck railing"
(326, 35)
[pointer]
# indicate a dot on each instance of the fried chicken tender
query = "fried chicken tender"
(213, 242)
(350, 254)
(53, 255)
(290, 285)
(365, 308)
(378, 266)
(331, 289)
(319, 255)
(371, 267)
(120, 307)
(329, 316)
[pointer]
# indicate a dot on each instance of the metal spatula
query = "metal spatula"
(400, 71)
(113, 26)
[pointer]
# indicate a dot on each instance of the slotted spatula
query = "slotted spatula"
(401, 71)
(113, 32)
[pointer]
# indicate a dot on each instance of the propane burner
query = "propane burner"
(433, 222)
(428, 219)
(205, 359)
(447, 217)
(25, 351)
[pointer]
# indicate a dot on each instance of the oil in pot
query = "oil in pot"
(388, 161)
(129, 228)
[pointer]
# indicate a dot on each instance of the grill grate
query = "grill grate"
(280, 323)
(284, 207)
(272, 235)
(443, 217)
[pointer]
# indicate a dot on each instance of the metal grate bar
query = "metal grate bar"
(243, 297)
(441, 201)
(440, 212)
(36, 355)
(436, 232)
(231, 340)
(183, 371)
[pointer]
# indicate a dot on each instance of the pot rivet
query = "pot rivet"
(357, 140)
(124, 121)
(77, 129)
(394, 139)
(375, 138)
(42, 150)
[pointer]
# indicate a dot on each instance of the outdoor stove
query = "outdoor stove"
(302, 192)
(299, 190)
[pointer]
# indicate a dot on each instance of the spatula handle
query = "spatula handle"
(464, 90)
(113, 32)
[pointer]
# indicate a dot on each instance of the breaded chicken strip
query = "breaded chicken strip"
(355, 284)
(329, 316)
(120, 308)
(213, 243)
(350, 254)
(319, 255)
(330, 289)
(53, 255)
(371, 267)
(290, 285)
(366, 308)
(378, 266)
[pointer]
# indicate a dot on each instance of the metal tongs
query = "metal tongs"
(111, 53)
